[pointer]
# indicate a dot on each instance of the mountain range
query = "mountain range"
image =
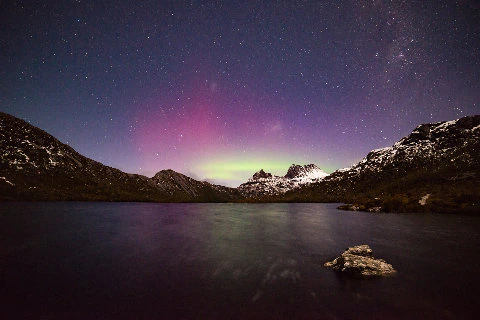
(434, 169)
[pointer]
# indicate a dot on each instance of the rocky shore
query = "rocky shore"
(359, 207)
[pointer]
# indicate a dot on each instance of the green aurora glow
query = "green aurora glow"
(233, 170)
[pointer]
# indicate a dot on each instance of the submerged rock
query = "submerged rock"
(359, 260)
(350, 207)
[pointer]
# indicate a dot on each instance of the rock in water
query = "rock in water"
(359, 260)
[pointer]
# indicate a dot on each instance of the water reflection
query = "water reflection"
(228, 261)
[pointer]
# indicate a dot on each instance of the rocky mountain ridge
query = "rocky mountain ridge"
(436, 168)
(427, 144)
(265, 184)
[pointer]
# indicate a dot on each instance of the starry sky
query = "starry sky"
(220, 89)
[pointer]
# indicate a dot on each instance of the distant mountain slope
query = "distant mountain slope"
(180, 186)
(265, 184)
(36, 166)
(435, 169)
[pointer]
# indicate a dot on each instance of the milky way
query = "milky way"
(220, 89)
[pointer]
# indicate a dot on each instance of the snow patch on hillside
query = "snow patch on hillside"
(5, 179)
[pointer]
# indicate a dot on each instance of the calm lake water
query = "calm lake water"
(230, 261)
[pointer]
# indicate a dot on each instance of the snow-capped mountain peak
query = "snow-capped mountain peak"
(261, 175)
(426, 144)
(264, 183)
(307, 173)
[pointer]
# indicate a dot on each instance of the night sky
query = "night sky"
(220, 89)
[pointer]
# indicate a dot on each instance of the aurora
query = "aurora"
(220, 90)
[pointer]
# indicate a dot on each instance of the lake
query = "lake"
(73, 260)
